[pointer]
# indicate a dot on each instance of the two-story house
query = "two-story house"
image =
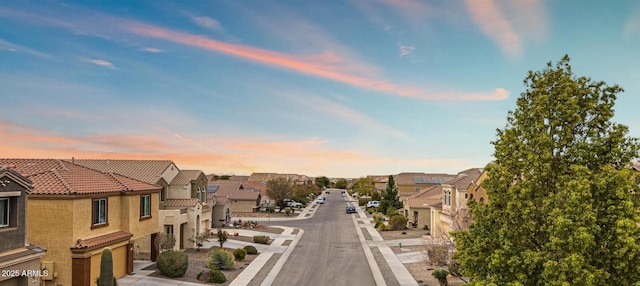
(17, 256)
(454, 215)
(183, 206)
(75, 212)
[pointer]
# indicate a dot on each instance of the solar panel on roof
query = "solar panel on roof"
(212, 189)
(430, 180)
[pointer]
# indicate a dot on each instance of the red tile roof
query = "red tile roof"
(58, 177)
(144, 170)
(185, 177)
(181, 203)
(221, 200)
(103, 240)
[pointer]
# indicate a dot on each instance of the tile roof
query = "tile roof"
(239, 178)
(465, 178)
(185, 177)
(244, 195)
(221, 200)
(26, 253)
(226, 187)
(17, 177)
(421, 202)
(58, 177)
(422, 178)
(257, 186)
(432, 192)
(102, 240)
(181, 203)
(144, 170)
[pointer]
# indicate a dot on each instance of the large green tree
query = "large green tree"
(322, 182)
(279, 190)
(563, 208)
(390, 197)
(364, 186)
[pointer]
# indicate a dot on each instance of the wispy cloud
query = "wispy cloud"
(15, 48)
(406, 50)
(153, 50)
(207, 22)
(632, 26)
(99, 62)
(328, 65)
(225, 154)
(487, 15)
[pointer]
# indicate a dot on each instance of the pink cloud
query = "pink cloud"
(406, 50)
(100, 62)
(207, 22)
(227, 154)
(487, 15)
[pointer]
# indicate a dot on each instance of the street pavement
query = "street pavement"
(328, 249)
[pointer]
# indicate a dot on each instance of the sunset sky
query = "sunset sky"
(335, 88)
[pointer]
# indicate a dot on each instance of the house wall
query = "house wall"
(424, 217)
(51, 224)
(219, 214)
(170, 173)
(175, 218)
(14, 235)
(140, 228)
(119, 255)
(435, 222)
(480, 192)
(242, 206)
(180, 192)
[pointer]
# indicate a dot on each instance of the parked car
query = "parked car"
(351, 209)
(320, 200)
(294, 204)
(373, 204)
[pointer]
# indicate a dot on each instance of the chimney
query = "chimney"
(73, 160)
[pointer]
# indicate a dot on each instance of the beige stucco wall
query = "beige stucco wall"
(50, 226)
(175, 218)
(242, 206)
(424, 217)
(170, 173)
(131, 216)
(179, 192)
(119, 255)
(219, 214)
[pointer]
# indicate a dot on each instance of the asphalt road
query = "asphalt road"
(329, 252)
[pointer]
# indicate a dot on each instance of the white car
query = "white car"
(320, 200)
(294, 204)
(373, 204)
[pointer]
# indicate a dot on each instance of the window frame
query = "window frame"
(144, 215)
(95, 224)
(7, 211)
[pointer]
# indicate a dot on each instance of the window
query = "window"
(4, 212)
(168, 229)
(100, 212)
(145, 206)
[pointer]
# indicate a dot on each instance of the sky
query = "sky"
(335, 88)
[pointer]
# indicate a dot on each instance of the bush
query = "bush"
(398, 222)
(262, 239)
(216, 276)
(363, 201)
(220, 259)
(382, 227)
(251, 249)
(173, 263)
(288, 210)
(438, 254)
(378, 224)
(441, 275)
(239, 254)
(391, 211)
(370, 211)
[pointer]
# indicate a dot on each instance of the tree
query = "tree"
(279, 190)
(364, 186)
(222, 237)
(300, 192)
(200, 238)
(563, 209)
(390, 196)
(341, 184)
(322, 182)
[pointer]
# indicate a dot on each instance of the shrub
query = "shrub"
(441, 275)
(220, 259)
(288, 210)
(216, 276)
(363, 201)
(222, 237)
(454, 267)
(377, 218)
(370, 211)
(239, 254)
(173, 263)
(398, 222)
(438, 254)
(251, 249)
(378, 224)
(391, 211)
(262, 239)
(382, 227)
(199, 274)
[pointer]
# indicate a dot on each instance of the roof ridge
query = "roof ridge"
(111, 175)
(63, 181)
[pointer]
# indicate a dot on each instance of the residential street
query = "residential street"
(329, 252)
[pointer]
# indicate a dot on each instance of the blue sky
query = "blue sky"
(336, 88)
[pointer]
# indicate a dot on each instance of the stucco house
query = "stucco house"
(454, 213)
(417, 208)
(182, 216)
(17, 255)
(241, 200)
(75, 212)
(411, 183)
